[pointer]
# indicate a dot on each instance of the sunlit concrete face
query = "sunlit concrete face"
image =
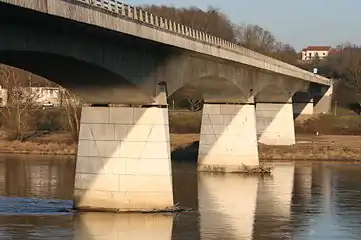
(275, 125)
(123, 161)
(228, 139)
(98, 226)
(228, 203)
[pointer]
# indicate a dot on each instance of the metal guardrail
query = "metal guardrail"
(141, 16)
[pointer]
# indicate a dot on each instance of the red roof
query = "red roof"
(317, 48)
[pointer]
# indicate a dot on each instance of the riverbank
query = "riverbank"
(185, 147)
(58, 143)
(307, 147)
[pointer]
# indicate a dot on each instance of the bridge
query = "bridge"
(125, 62)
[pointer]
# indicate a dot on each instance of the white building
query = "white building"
(313, 52)
(45, 96)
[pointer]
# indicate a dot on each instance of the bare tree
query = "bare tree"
(195, 105)
(349, 67)
(21, 103)
(72, 107)
(255, 38)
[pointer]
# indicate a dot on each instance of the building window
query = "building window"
(324, 54)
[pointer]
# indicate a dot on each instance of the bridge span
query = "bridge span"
(125, 62)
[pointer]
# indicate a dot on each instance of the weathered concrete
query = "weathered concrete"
(229, 203)
(275, 125)
(322, 102)
(228, 138)
(123, 161)
(122, 226)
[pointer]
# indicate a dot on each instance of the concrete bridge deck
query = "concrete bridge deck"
(127, 19)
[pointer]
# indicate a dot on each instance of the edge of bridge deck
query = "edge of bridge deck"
(137, 22)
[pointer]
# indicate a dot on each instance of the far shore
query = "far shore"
(185, 147)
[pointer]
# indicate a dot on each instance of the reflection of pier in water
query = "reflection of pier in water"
(235, 207)
(95, 226)
(227, 204)
(274, 204)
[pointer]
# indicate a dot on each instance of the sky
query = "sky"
(298, 22)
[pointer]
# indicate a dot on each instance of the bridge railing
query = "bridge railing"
(144, 17)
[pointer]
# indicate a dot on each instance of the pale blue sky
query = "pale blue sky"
(298, 22)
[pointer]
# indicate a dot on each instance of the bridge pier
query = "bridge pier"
(123, 161)
(228, 137)
(323, 102)
(275, 125)
(303, 108)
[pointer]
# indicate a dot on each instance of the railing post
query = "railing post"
(109, 5)
(182, 29)
(141, 15)
(129, 11)
(146, 17)
(170, 25)
(135, 14)
(123, 9)
(151, 19)
(116, 7)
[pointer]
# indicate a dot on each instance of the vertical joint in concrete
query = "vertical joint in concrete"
(228, 140)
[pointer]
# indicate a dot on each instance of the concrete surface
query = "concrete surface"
(228, 138)
(322, 102)
(123, 160)
(303, 108)
(275, 124)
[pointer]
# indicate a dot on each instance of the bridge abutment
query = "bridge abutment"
(275, 125)
(123, 160)
(228, 139)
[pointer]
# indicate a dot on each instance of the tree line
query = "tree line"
(216, 23)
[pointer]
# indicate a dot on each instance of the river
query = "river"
(300, 201)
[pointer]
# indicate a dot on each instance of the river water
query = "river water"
(300, 201)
